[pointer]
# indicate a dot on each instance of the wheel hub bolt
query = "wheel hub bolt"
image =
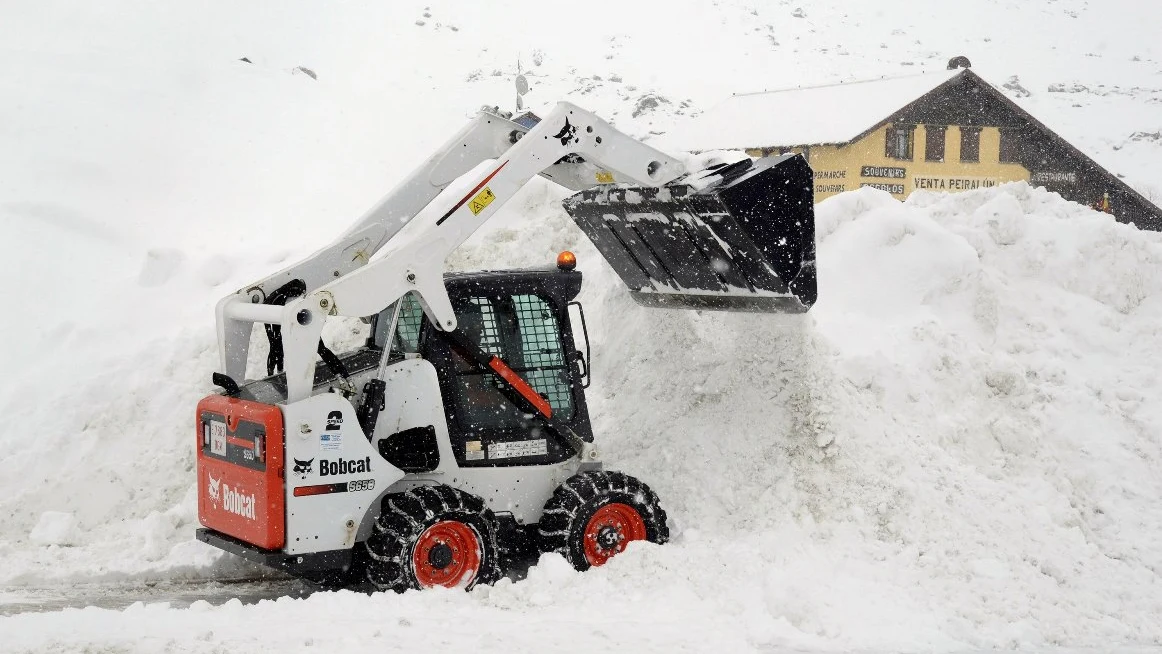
(440, 556)
(608, 537)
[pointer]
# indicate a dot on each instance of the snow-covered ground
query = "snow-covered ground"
(957, 449)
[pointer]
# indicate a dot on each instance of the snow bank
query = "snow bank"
(55, 528)
(957, 448)
(960, 443)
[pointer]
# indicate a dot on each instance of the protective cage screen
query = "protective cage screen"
(522, 330)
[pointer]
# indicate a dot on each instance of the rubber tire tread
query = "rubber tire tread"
(562, 525)
(404, 518)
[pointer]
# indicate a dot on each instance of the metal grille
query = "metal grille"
(522, 330)
(541, 357)
(406, 338)
(488, 334)
(407, 330)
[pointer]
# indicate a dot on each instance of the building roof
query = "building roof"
(837, 114)
(808, 115)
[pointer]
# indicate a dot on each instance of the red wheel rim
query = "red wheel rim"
(446, 554)
(610, 529)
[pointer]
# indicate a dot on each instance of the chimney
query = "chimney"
(959, 62)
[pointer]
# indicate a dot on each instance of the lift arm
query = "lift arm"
(418, 225)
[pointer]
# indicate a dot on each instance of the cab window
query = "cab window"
(523, 331)
(406, 339)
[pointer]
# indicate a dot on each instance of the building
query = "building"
(943, 131)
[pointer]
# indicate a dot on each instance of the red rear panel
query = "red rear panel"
(240, 470)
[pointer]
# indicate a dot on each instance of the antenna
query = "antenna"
(522, 86)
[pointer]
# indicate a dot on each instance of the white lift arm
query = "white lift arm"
(497, 161)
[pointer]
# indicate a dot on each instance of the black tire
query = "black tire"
(576, 502)
(419, 517)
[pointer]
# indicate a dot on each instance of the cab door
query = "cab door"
(527, 327)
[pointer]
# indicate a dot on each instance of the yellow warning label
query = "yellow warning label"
(604, 177)
(482, 199)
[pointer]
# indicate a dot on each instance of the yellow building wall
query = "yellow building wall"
(864, 163)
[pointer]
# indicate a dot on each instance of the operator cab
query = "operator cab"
(523, 318)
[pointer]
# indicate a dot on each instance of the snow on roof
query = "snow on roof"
(833, 113)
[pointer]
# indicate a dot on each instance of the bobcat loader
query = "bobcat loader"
(457, 438)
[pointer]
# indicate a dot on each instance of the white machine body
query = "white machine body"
(335, 477)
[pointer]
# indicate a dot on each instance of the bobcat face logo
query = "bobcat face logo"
(212, 488)
(567, 133)
(303, 468)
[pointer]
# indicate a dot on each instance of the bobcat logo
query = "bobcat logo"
(303, 468)
(567, 133)
(212, 488)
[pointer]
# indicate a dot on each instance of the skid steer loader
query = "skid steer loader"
(457, 438)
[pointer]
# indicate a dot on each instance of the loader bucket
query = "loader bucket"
(738, 237)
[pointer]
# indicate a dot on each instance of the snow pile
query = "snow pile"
(961, 442)
(957, 448)
(55, 528)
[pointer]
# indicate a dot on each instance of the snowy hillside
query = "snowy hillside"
(959, 447)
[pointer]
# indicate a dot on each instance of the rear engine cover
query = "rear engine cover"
(240, 470)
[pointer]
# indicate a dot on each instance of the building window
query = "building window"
(1010, 145)
(969, 144)
(934, 142)
(899, 143)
